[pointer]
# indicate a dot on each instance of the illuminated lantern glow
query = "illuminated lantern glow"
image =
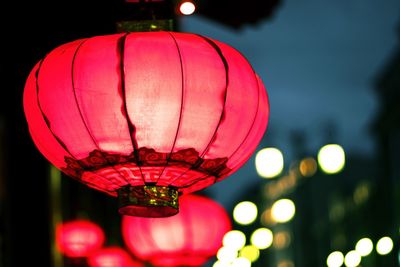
(112, 257)
(146, 116)
(189, 238)
(78, 238)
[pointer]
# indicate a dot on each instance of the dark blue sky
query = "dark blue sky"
(319, 60)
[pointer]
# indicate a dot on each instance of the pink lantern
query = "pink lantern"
(189, 238)
(112, 257)
(78, 238)
(146, 116)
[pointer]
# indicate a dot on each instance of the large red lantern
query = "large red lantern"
(146, 116)
(79, 238)
(189, 238)
(112, 257)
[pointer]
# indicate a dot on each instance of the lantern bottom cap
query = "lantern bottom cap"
(148, 201)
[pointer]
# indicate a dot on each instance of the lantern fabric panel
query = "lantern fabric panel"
(96, 85)
(41, 135)
(189, 238)
(57, 100)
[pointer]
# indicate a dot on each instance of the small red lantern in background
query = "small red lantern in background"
(78, 238)
(112, 257)
(146, 115)
(189, 238)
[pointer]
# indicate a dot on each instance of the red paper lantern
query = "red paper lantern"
(112, 257)
(78, 238)
(146, 116)
(189, 238)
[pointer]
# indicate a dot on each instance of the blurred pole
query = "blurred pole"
(55, 213)
(2, 194)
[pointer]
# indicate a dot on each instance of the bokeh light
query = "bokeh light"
(285, 263)
(308, 167)
(331, 158)
(241, 262)
(250, 252)
(361, 193)
(221, 264)
(266, 218)
(245, 212)
(187, 8)
(269, 162)
(234, 239)
(262, 238)
(364, 246)
(283, 210)
(352, 259)
(335, 259)
(282, 239)
(384, 246)
(226, 254)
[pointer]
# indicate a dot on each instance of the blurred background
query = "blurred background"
(332, 73)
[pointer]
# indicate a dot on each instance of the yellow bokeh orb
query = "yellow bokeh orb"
(234, 239)
(269, 162)
(283, 210)
(308, 167)
(331, 158)
(226, 254)
(250, 252)
(262, 238)
(384, 245)
(245, 212)
(352, 259)
(335, 259)
(364, 246)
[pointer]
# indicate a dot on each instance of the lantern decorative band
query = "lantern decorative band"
(148, 201)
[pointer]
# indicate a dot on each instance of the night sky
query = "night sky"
(320, 61)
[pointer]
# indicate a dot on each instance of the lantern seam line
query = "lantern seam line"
(47, 122)
(226, 67)
(131, 127)
(82, 117)
(181, 108)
